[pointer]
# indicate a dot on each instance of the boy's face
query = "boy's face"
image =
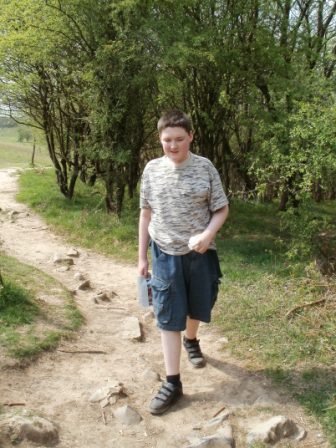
(175, 142)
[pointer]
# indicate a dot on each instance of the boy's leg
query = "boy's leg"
(171, 346)
(171, 389)
(192, 328)
(191, 343)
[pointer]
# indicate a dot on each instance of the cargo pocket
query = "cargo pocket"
(161, 304)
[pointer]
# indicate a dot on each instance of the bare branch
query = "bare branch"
(60, 9)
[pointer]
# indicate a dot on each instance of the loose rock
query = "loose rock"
(63, 269)
(127, 415)
(59, 259)
(221, 439)
(84, 285)
(101, 297)
(78, 276)
(73, 253)
(31, 428)
(13, 213)
(131, 328)
(275, 429)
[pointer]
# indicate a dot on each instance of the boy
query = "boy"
(181, 198)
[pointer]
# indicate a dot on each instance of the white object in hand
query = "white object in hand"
(144, 291)
(193, 241)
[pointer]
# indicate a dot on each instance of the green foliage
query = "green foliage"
(24, 135)
(305, 224)
(299, 151)
(257, 79)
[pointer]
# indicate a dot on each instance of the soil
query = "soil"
(58, 384)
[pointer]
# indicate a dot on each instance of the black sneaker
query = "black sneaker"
(195, 354)
(167, 395)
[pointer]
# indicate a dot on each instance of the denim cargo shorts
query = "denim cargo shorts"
(183, 285)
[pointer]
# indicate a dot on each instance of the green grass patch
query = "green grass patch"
(35, 310)
(260, 285)
(18, 154)
(83, 219)
(16, 305)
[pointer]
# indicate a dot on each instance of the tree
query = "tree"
(41, 85)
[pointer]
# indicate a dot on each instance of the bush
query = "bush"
(312, 235)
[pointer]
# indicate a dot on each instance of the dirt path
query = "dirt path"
(59, 384)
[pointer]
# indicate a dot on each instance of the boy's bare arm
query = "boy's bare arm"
(203, 240)
(144, 220)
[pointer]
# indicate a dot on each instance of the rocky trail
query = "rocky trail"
(96, 388)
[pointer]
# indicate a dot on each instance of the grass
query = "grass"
(18, 154)
(83, 220)
(260, 286)
(30, 324)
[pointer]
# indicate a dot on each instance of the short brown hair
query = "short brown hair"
(174, 119)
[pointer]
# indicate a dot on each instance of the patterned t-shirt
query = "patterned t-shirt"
(182, 199)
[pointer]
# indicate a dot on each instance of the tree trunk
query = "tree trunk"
(318, 192)
(283, 200)
(288, 195)
(120, 192)
(110, 207)
(33, 153)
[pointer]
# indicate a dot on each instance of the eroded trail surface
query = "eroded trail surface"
(60, 383)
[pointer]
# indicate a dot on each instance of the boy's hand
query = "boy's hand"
(200, 243)
(143, 268)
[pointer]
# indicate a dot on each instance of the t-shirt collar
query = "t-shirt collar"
(180, 165)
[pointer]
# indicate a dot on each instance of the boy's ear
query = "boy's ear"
(191, 135)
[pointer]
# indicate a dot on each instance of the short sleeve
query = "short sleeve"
(218, 197)
(144, 190)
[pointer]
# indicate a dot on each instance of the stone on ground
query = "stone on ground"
(61, 259)
(131, 329)
(223, 438)
(84, 285)
(17, 428)
(275, 429)
(63, 269)
(127, 415)
(73, 253)
(79, 276)
(101, 297)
